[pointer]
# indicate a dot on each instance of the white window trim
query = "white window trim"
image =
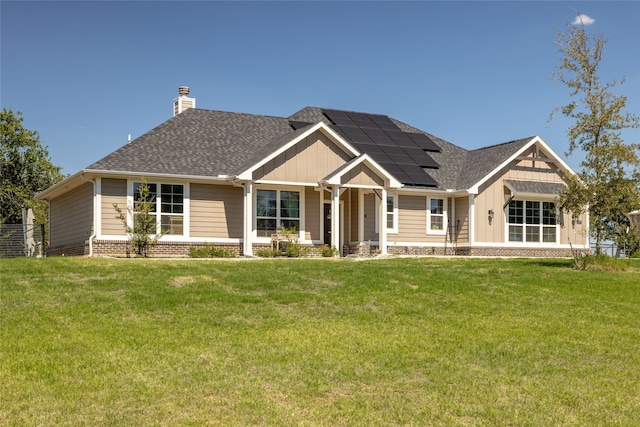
(445, 203)
(185, 208)
(524, 224)
(394, 229)
(301, 190)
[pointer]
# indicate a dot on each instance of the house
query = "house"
(362, 183)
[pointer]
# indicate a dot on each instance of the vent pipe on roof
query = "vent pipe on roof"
(183, 102)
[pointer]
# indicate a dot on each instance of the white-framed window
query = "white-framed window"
(532, 221)
(392, 214)
(436, 216)
(167, 206)
(275, 209)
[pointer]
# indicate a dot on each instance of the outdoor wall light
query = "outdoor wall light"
(490, 213)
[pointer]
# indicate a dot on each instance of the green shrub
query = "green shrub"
(328, 251)
(268, 253)
(294, 250)
(209, 251)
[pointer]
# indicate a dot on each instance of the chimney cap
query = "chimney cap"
(183, 90)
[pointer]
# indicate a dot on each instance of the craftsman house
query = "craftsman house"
(361, 183)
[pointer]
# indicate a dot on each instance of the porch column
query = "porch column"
(382, 223)
(472, 219)
(360, 215)
(335, 217)
(247, 229)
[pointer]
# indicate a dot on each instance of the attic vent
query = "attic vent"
(183, 102)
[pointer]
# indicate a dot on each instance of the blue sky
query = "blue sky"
(87, 74)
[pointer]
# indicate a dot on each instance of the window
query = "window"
(275, 209)
(532, 221)
(170, 202)
(436, 216)
(392, 214)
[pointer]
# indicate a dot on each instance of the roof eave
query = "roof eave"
(474, 189)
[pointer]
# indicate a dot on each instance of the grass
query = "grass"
(317, 342)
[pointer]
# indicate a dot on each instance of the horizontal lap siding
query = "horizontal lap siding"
(216, 211)
(412, 219)
(71, 216)
(113, 191)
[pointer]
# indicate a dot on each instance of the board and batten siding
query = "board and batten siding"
(492, 195)
(71, 216)
(112, 191)
(216, 211)
(370, 217)
(312, 214)
(310, 160)
(361, 175)
(462, 219)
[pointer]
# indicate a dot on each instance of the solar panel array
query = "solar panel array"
(403, 154)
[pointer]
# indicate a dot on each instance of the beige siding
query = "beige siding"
(412, 219)
(216, 211)
(353, 236)
(113, 191)
(72, 216)
(309, 160)
(370, 217)
(462, 219)
(492, 196)
(312, 214)
(361, 175)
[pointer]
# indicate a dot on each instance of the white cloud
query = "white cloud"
(583, 19)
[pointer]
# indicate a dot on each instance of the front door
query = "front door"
(327, 224)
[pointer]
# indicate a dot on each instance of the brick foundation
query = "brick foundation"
(485, 251)
(121, 248)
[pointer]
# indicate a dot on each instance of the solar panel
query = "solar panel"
(424, 141)
(421, 158)
(339, 118)
(400, 153)
(401, 139)
(384, 122)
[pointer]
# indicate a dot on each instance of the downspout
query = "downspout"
(95, 214)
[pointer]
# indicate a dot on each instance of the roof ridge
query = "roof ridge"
(238, 113)
(503, 143)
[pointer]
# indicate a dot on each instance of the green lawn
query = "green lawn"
(317, 342)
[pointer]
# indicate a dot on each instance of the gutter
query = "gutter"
(95, 213)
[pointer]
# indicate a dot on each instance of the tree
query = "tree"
(142, 230)
(608, 182)
(25, 169)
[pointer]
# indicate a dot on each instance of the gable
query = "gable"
(361, 175)
(307, 161)
(531, 160)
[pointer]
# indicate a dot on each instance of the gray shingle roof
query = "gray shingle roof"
(200, 143)
(209, 143)
(480, 162)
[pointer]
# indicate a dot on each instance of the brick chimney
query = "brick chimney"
(183, 102)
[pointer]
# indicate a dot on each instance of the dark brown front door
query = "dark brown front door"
(327, 224)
